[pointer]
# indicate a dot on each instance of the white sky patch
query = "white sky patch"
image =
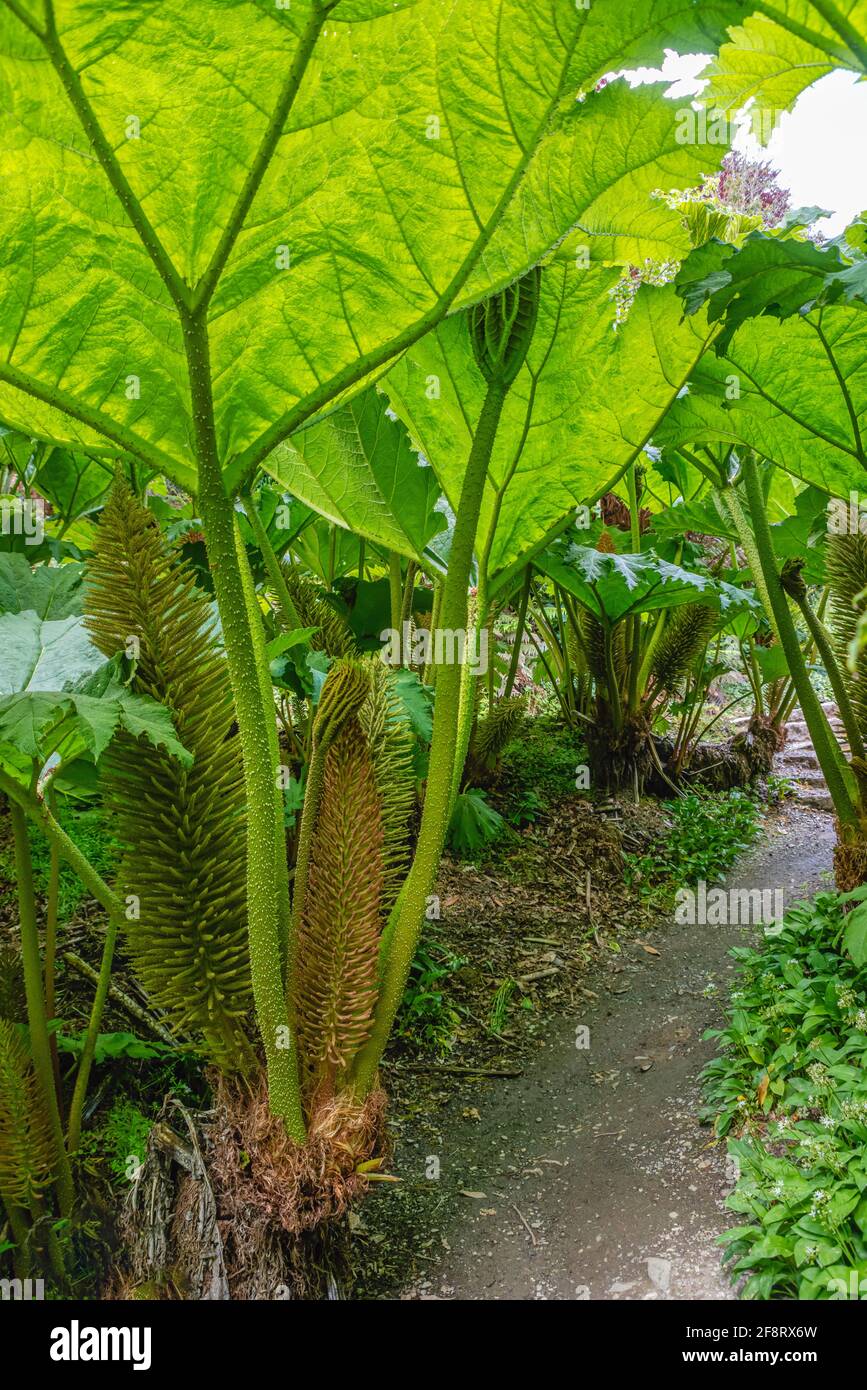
(816, 145)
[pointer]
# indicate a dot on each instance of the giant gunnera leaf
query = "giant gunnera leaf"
(318, 183)
(613, 587)
(778, 51)
(583, 406)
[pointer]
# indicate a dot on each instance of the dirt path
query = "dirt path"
(588, 1176)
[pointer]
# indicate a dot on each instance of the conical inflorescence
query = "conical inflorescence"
(26, 1144)
(846, 563)
(182, 830)
(686, 635)
(363, 800)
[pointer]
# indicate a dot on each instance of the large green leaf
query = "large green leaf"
(70, 724)
(44, 653)
(795, 391)
(778, 52)
(49, 591)
(75, 484)
(768, 275)
(583, 406)
(358, 468)
(613, 587)
(855, 935)
(699, 516)
(328, 180)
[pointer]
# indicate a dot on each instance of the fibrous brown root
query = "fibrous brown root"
(850, 860)
(240, 1211)
(264, 1176)
(169, 1226)
(618, 760)
(736, 763)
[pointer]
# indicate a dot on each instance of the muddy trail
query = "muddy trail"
(587, 1174)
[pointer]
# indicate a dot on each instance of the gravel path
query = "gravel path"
(589, 1176)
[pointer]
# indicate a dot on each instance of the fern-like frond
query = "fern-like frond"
(333, 635)
(26, 1145)
(338, 940)
(846, 567)
(183, 831)
(684, 638)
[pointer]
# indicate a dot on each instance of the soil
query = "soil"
(586, 1174)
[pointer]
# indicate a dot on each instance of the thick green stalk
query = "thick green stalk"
(789, 695)
(560, 608)
(39, 1045)
(281, 866)
(429, 674)
(410, 907)
(611, 682)
(50, 956)
(286, 609)
(21, 1236)
(649, 650)
(519, 632)
(395, 590)
(82, 1077)
(332, 555)
(765, 577)
(730, 506)
(547, 632)
(467, 699)
(842, 788)
(51, 927)
(408, 591)
(549, 672)
(39, 813)
(66, 848)
(310, 812)
(633, 647)
(756, 678)
(265, 908)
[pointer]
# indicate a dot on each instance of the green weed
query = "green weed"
(791, 1084)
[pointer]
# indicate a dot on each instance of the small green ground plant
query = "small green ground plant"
(87, 829)
(426, 1018)
(708, 832)
(789, 1090)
